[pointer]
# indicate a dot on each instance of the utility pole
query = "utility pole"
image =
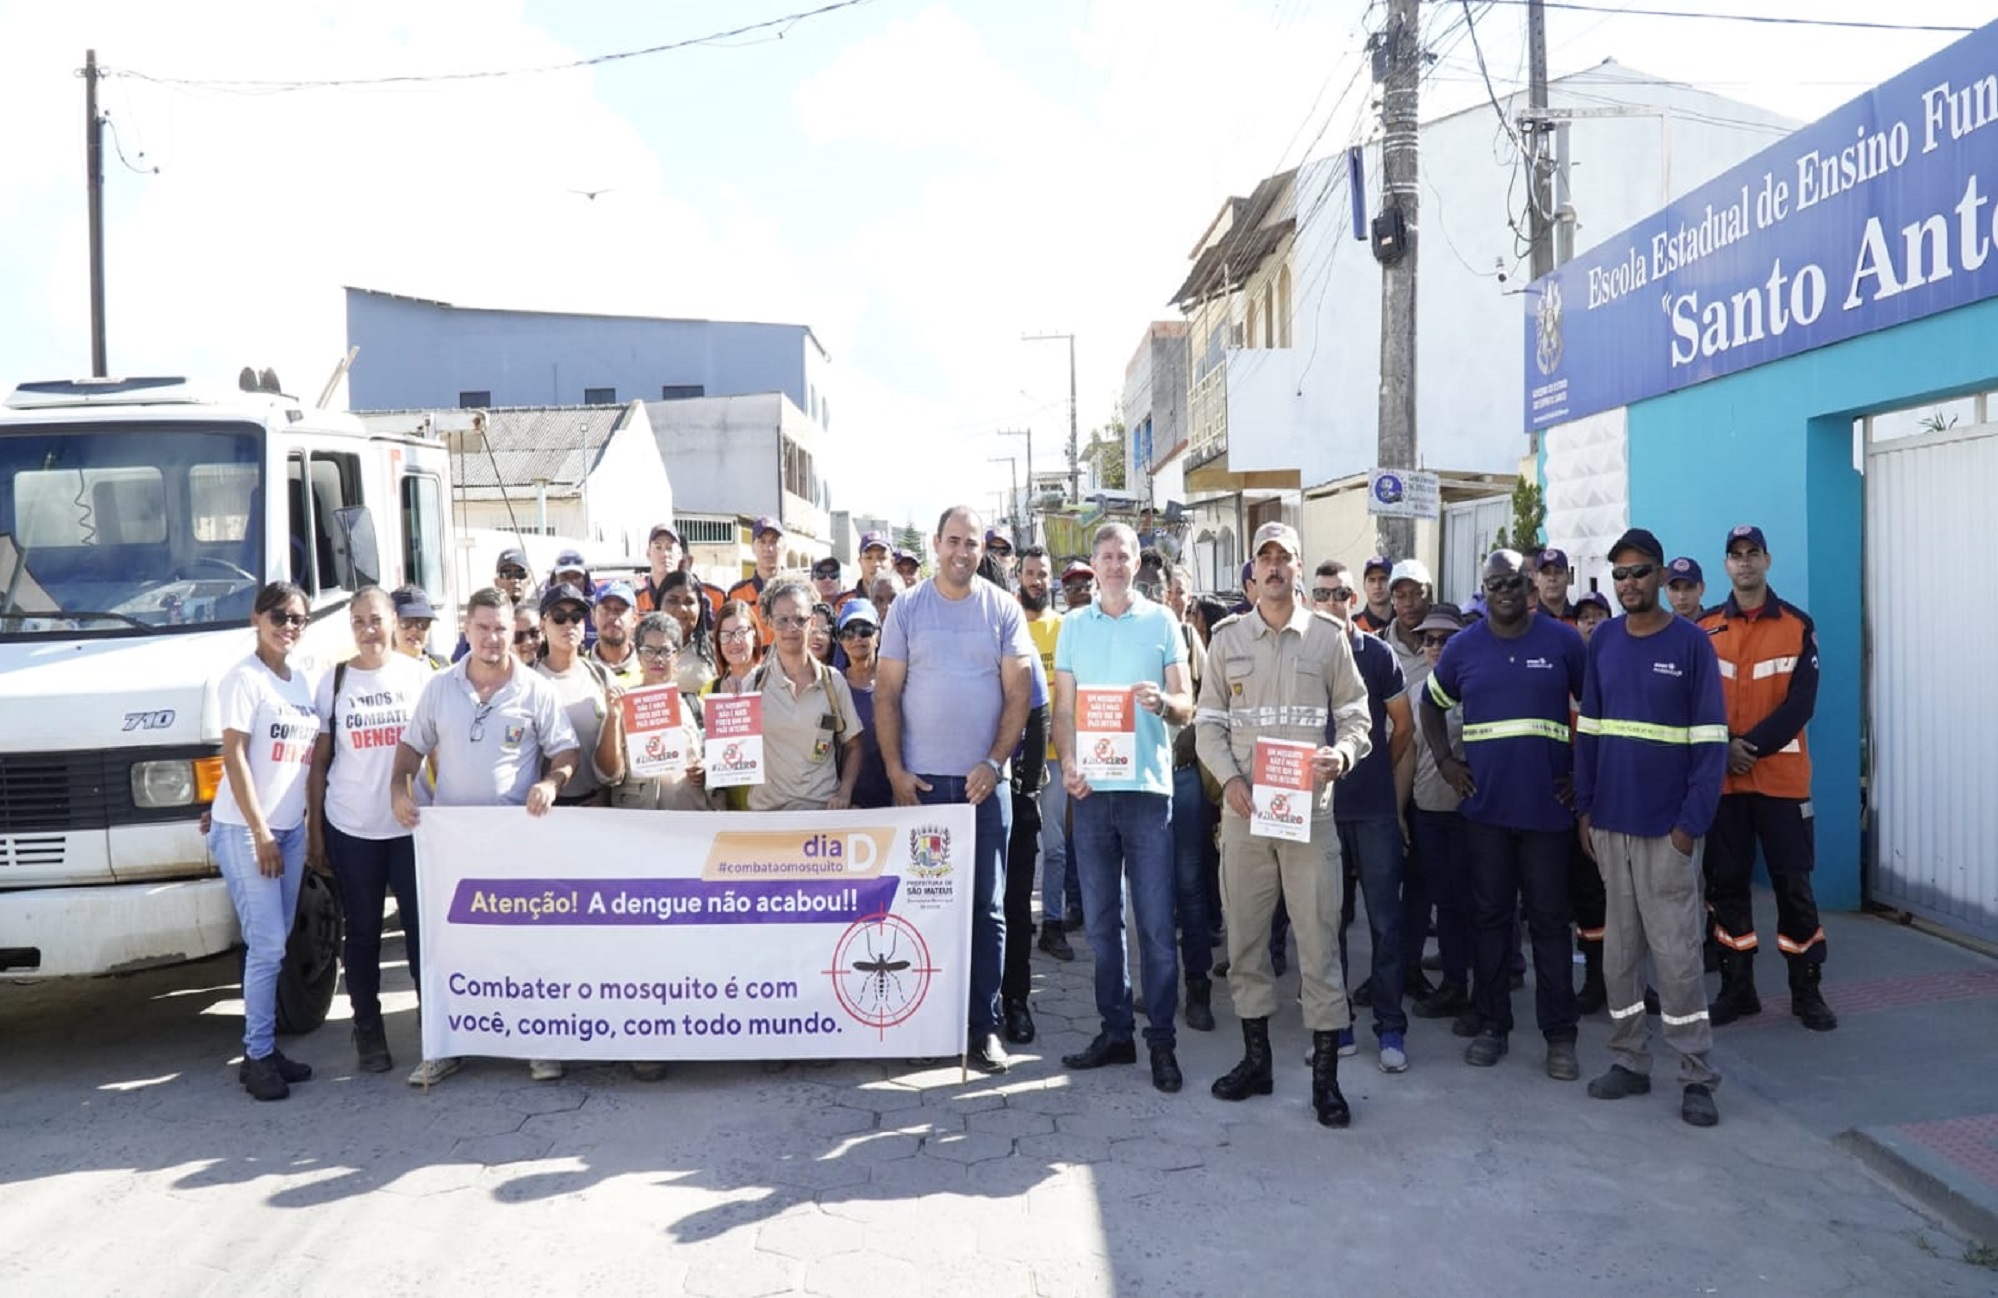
(1012, 509)
(1025, 537)
(1540, 216)
(1074, 454)
(93, 163)
(1399, 61)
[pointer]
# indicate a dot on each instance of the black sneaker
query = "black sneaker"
(1019, 1023)
(1104, 1050)
(1055, 943)
(1446, 1002)
(262, 1079)
(1697, 1107)
(1165, 1070)
(1486, 1049)
(288, 1069)
(371, 1052)
(1619, 1082)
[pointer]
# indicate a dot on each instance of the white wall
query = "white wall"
(630, 489)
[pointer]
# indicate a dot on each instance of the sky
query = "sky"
(921, 181)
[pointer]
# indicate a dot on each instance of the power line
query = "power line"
(784, 22)
(1858, 24)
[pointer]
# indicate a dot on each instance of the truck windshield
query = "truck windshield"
(116, 528)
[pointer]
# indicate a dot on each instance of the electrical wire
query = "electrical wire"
(234, 86)
(1856, 24)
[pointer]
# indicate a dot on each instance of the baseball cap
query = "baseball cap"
(1640, 540)
(1553, 558)
(1594, 599)
(857, 610)
(1379, 563)
(1282, 534)
(564, 592)
(1748, 532)
(511, 557)
(1684, 568)
(571, 561)
(659, 530)
(999, 533)
(826, 567)
(1077, 568)
(900, 555)
(767, 524)
(870, 540)
(618, 590)
(412, 605)
(1248, 572)
(1442, 617)
(1410, 570)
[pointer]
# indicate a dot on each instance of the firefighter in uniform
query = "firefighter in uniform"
(1768, 651)
(1280, 671)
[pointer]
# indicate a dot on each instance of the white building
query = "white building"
(750, 456)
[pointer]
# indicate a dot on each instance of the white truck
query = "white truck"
(138, 518)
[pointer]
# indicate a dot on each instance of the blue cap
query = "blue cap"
(1640, 540)
(412, 605)
(898, 554)
(1379, 562)
(857, 610)
(1553, 558)
(511, 557)
(1594, 599)
(1684, 568)
(571, 561)
(1746, 532)
(618, 590)
(999, 532)
(767, 524)
(564, 592)
(868, 540)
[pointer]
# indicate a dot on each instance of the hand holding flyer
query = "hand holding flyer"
(655, 736)
(1282, 790)
(1106, 732)
(734, 747)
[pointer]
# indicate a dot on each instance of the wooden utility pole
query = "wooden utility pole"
(93, 162)
(1074, 451)
(1538, 128)
(1400, 44)
(1025, 537)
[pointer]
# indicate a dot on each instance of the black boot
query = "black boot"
(1737, 998)
(371, 1050)
(1593, 996)
(1253, 1076)
(1806, 1001)
(1326, 1102)
(1199, 1004)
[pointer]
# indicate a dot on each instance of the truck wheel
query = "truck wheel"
(311, 968)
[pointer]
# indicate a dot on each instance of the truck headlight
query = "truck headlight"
(173, 783)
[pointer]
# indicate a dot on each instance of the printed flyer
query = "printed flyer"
(1282, 789)
(1106, 732)
(733, 750)
(655, 736)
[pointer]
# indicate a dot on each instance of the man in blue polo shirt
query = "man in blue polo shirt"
(1121, 659)
(1513, 673)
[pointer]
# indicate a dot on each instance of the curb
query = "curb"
(1933, 1183)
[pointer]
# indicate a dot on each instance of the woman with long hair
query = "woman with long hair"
(698, 662)
(741, 648)
(363, 704)
(269, 731)
(819, 635)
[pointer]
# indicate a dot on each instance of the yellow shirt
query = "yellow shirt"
(1045, 630)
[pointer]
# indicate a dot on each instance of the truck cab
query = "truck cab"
(138, 519)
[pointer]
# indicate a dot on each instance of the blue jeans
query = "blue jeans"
(1119, 835)
(1054, 847)
(1192, 843)
(1376, 845)
(1439, 845)
(988, 893)
(367, 870)
(265, 908)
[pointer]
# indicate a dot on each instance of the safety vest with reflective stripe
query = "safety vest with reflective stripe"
(1769, 677)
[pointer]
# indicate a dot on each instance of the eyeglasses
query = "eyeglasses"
(1436, 639)
(286, 619)
(656, 651)
(790, 623)
(1500, 585)
(563, 617)
(527, 637)
(739, 633)
(479, 721)
(858, 631)
(1632, 571)
(513, 574)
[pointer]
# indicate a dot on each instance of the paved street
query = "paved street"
(133, 1163)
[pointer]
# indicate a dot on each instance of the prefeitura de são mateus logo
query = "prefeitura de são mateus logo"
(929, 852)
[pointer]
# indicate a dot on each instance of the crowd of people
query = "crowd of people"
(1525, 769)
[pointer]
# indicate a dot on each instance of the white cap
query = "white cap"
(1411, 570)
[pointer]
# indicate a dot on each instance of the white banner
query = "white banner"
(591, 933)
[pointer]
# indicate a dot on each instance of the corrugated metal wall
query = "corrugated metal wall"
(1932, 696)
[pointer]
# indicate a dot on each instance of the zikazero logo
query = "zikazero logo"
(160, 720)
(1667, 669)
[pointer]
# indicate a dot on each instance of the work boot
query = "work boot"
(1199, 1004)
(1448, 1001)
(1326, 1101)
(1737, 998)
(262, 1079)
(1055, 943)
(288, 1070)
(371, 1052)
(1806, 1001)
(1253, 1076)
(1593, 995)
(1165, 1070)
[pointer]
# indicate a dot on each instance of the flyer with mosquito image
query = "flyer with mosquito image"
(592, 933)
(1281, 790)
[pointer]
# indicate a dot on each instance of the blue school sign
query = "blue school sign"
(1883, 212)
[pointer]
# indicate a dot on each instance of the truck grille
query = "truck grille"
(62, 791)
(44, 851)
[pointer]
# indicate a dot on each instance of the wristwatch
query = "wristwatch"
(998, 771)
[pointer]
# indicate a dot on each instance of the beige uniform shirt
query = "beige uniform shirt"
(1283, 682)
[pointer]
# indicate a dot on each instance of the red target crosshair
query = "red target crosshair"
(881, 971)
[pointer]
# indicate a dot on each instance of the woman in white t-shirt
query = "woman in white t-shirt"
(363, 705)
(269, 730)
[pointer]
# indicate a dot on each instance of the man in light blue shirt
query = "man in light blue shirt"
(1120, 669)
(951, 698)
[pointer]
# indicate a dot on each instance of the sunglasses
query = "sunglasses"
(513, 574)
(526, 637)
(1326, 594)
(479, 721)
(563, 616)
(858, 631)
(1003, 551)
(1436, 639)
(286, 619)
(1632, 571)
(1500, 585)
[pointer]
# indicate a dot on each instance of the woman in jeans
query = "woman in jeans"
(269, 730)
(363, 704)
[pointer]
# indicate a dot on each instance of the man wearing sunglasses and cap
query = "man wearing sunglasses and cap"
(1651, 750)
(510, 576)
(999, 544)
(1768, 651)
(826, 582)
